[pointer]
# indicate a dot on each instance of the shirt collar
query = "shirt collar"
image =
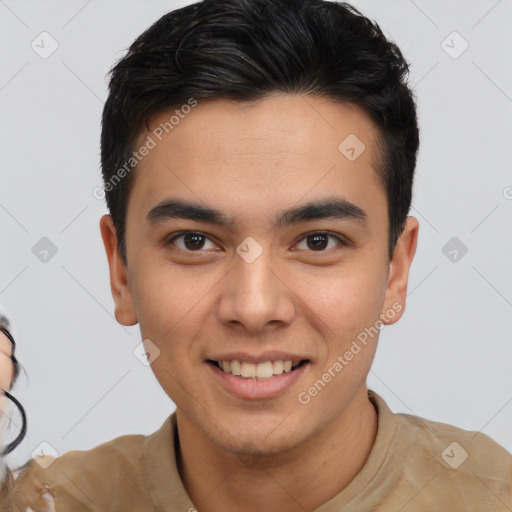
(160, 465)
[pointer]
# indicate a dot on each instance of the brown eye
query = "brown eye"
(319, 241)
(190, 241)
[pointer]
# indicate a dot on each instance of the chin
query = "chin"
(258, 439)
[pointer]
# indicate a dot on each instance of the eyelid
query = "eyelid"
(343, 241)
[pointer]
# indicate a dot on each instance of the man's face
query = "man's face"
(255, 290)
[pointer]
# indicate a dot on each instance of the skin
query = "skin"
(251, 161)
(6, 369)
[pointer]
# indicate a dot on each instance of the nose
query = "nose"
(256, 295)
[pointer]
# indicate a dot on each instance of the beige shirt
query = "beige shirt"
(415, 465)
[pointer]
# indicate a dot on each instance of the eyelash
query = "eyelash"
(342, 241)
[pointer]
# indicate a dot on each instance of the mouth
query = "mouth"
(265, 380)
(264, 371)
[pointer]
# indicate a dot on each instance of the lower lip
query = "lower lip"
(249, 389)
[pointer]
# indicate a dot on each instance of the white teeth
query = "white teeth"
(248, 369)
(278, 367)
(236, 367)
(263, 371)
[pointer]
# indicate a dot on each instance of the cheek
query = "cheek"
(346, 302)
(161, 295)
(171, 304)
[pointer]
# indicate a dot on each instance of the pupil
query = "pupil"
(198, 240)
(318, 242)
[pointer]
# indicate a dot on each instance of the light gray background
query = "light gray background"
(447, 360)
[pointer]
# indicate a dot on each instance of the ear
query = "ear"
(119, 284)
(398, 274)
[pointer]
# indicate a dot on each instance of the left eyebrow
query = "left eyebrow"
(327, 208)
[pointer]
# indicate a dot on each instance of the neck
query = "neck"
(216, 480)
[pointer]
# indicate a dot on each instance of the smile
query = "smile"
(257, 381)
(257, 371)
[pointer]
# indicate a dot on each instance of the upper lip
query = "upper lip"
(257, 358)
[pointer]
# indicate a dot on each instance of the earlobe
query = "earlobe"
(399, 266)
(119, 284)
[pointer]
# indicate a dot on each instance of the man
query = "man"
(258, 159)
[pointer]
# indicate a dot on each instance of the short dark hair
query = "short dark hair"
(246, 50)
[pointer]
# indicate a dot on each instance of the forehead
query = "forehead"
(253, 158)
